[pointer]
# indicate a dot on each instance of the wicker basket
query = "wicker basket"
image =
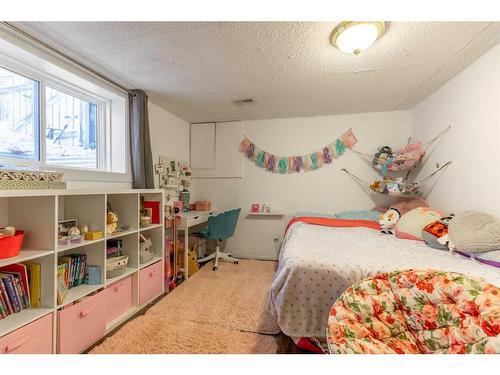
(116, 266)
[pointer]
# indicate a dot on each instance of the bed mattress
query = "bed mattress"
(318, 263)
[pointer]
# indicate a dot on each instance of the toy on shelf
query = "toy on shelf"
(154, 210)
(94, 235)
(68, 232)
(146, 250)
(84, 229)
(111, 222)
(145, 218)
(8, 231)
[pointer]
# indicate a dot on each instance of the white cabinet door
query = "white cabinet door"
(203, 146)
(228, 159)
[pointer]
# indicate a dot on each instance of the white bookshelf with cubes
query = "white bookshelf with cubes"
(62, 318)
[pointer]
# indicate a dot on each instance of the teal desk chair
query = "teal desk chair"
(220, 227)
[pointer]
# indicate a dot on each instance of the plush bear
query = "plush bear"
(112, 222)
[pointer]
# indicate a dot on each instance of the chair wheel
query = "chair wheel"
(214, 268)
(235, 262)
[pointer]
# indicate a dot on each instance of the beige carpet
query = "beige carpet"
(213, 312)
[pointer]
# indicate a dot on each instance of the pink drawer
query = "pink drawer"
(33, 338)
(81, 324)
(150, 282)
(118, 298)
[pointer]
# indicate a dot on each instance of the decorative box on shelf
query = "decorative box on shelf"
(32, 180)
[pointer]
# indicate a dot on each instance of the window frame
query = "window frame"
(104, 145)
(101, 124)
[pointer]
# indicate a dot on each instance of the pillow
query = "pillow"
(315, 214)
(433, 232)
(411, 224)
(474, 232)
(404, 205)
(360, 215)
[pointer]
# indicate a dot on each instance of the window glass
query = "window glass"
(71, 130)
(19, 116)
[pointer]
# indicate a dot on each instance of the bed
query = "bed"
(321, 257)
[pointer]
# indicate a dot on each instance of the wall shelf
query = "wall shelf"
(275, 213)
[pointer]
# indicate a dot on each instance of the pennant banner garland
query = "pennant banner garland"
(295, 164)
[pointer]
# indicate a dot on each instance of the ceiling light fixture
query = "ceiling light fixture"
(356, 36)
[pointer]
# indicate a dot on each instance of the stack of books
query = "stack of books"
(70, 274)
(19, 288)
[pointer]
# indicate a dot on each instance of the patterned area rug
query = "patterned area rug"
(213, 312)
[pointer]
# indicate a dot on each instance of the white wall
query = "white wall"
(327, 189)
(470, 102)
(169, 136)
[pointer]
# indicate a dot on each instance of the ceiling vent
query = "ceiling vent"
(243, 101)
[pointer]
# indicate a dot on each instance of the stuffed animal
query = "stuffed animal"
(73, 232)
(112, 222)
(388, 220)
(382, 158)
(7, 231)
(193, 265)
(84, 229)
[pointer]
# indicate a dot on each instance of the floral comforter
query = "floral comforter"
(416, 312)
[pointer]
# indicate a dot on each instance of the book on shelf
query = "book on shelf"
(20, 272)
(34, 271)
(70, 273)
(62, 287)
(14, 289)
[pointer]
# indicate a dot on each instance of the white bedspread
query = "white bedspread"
(317, 263)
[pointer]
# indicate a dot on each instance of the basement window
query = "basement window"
(71, 130)
(19, 116)
(55, 117)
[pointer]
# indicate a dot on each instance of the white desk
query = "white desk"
(190, 219)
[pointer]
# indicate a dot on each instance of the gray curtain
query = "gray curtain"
(140, 141)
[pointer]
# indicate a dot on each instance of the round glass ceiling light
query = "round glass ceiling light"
(354, 36)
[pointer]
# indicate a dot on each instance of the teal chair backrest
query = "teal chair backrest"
(223, 225)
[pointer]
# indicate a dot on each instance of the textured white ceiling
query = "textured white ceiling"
(196, 69)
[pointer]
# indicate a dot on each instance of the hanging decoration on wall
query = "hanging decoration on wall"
(295, 164)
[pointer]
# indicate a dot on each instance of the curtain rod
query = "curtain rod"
(66, 57)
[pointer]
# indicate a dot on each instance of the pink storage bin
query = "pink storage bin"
(81, 324)
(150, 282)
(118, 298)
(33, 338)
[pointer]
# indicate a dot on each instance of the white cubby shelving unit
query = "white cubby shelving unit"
(115, 299)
